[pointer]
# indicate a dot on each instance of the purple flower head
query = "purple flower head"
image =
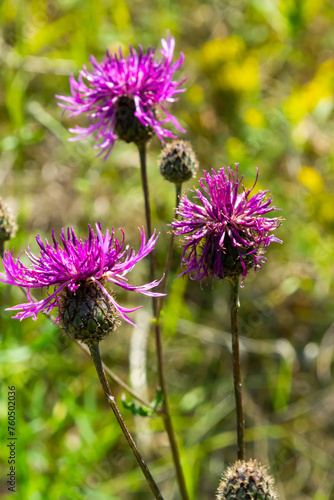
(226, 233)
(98, 259)
(139, 81)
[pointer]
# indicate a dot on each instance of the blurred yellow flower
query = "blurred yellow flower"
(254, 118)
(195, 94)
(218, 50)
(235, 149)
(241, 76)
(303, 100)
(327, 207)
(311, 179)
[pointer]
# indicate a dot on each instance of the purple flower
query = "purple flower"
(98, 258)
(225, 234)
(139, 79)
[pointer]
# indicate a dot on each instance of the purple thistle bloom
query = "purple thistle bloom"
(226, 233)
(147, 82)
(97, 258)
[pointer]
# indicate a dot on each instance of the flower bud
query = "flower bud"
(178, 162)
(7, 224)
(246, 481)
(127, 126)
(87, 314)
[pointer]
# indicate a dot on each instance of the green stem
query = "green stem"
(116, 379)
(111, 374)
(178, 189)
(234, 304)
(144, 183)
(95, 353)
(160, 362)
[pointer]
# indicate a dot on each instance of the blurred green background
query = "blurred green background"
(259, 92)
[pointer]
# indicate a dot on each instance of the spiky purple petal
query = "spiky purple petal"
(139, 76)
(98, 257)
(223, 213)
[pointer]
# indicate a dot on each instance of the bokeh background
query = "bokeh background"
(259, 92)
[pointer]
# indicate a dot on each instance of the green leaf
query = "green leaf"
(143, 411)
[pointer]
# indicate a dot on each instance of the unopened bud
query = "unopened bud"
(178, 162)
(247, 481)
(7, 224)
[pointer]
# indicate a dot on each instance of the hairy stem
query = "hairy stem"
(160, 362)
(95, 353)
(234, 304)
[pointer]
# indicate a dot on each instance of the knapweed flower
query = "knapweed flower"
(79, 271)
(227, 232)
(123, 96)
(247, 480)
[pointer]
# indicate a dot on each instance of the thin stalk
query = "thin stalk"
(160, 361)
(168, 418)
(144, 183)
(178, 189)
(111, 374)
(234, 304)
(95, 353)
(116, 379)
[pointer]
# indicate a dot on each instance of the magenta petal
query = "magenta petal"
(140, 76)
(223, 212)
(99, 257)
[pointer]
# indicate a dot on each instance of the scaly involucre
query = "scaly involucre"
(226, 233)
(100, 258)
(139, 76)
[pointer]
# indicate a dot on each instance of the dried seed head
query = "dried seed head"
(7, 224)
(178, 162)
(127, 126)
(87, 314)
(246, 481)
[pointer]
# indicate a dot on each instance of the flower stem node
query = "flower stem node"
(247, 481)
(87, 314)
(7, 224)
(178, 162)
